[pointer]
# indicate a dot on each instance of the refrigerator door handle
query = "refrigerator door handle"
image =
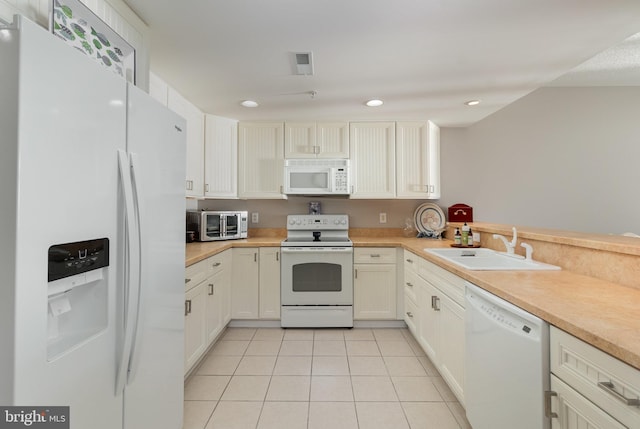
(132, 270)
(134, 357)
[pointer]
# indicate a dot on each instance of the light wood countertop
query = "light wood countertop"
(601, 313)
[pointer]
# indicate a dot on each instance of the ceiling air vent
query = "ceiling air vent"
(303, 63)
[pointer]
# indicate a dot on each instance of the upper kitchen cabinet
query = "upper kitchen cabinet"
(417, 160)
(261, 160)
(195, 142)
(373, 165)
(221, 157)
(316, 140)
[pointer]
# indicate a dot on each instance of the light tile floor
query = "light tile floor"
(272, 378)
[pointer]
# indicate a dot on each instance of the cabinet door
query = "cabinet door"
(269, 283)
(574, 411)
(451, 344)
(374, 291)
(417, 160)
(224, 288)
(221, 157)
(214, 306)
(429, 320)
(333, 140)
(300, 140)
(195, 142)
(372, 155)
(245, 278)
(194, 325)
(260, 160)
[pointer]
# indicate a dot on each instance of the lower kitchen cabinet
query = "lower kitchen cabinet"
(574, 411)
(245, 280)
(269, 287)
(207, 305)
(195, 338)
(374, 283)
(589, 388)
(439, 299)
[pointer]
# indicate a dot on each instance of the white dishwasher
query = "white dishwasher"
(506, 364)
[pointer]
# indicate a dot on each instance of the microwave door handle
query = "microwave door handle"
(223, 225)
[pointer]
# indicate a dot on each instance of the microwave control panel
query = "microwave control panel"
(341, 183)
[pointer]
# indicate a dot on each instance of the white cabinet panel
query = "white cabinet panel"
(194, 325)
(221, 157)
(418, 160)
(575, 412)
(195, 142)
(374, 291)
(158, 89)
(260, 160)
(372, 155)
(269, 283)
(245, 283)
(317, 140)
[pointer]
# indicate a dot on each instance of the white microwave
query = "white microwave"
(317, 177)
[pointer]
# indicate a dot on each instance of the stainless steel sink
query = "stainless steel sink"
(489, 260)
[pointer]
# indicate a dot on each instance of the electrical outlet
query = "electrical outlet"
(255, 218)
(383, 218)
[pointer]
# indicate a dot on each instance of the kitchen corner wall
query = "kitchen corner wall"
(362, 213)
(560, 157)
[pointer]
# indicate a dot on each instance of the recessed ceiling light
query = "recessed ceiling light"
(249, 103)
(472, 102)
(374, 103)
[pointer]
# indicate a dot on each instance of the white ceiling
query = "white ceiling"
(424, 58)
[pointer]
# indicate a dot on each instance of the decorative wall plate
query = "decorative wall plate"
(429, 218)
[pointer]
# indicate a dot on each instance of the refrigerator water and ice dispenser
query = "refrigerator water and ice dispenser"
(77, 293)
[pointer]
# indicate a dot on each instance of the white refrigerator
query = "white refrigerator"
(92, 210)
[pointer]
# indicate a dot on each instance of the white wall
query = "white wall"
(363, 213)
(564, 158)
(115, 13)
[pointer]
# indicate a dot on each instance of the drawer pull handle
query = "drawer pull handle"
(610, 388)
(186, 281)
(435, 303)
(547, 404)
(216, 264)
(409, 284)
(410, 314)
(210, 288)
(187, 307)
(375, 255)
(410, 261)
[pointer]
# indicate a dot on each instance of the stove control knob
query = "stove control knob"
(336, 221)
(343, 221)
(292, 221)
(298, 222)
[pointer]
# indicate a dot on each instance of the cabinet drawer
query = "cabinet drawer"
(374, 255)
(411, 282)
(583, 367)
(411, 314)
(218, 262)
(448, 283)
(411, 261)
(196, 274)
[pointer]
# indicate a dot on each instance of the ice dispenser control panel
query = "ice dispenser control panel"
(69, 259)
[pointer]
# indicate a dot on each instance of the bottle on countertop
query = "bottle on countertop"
(457, 238)
(470, 238)
(465, 234)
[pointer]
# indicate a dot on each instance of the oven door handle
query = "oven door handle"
(317, 249)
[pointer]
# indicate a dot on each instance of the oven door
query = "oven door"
(317, 276)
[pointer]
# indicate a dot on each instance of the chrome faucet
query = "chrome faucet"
(511, 246)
